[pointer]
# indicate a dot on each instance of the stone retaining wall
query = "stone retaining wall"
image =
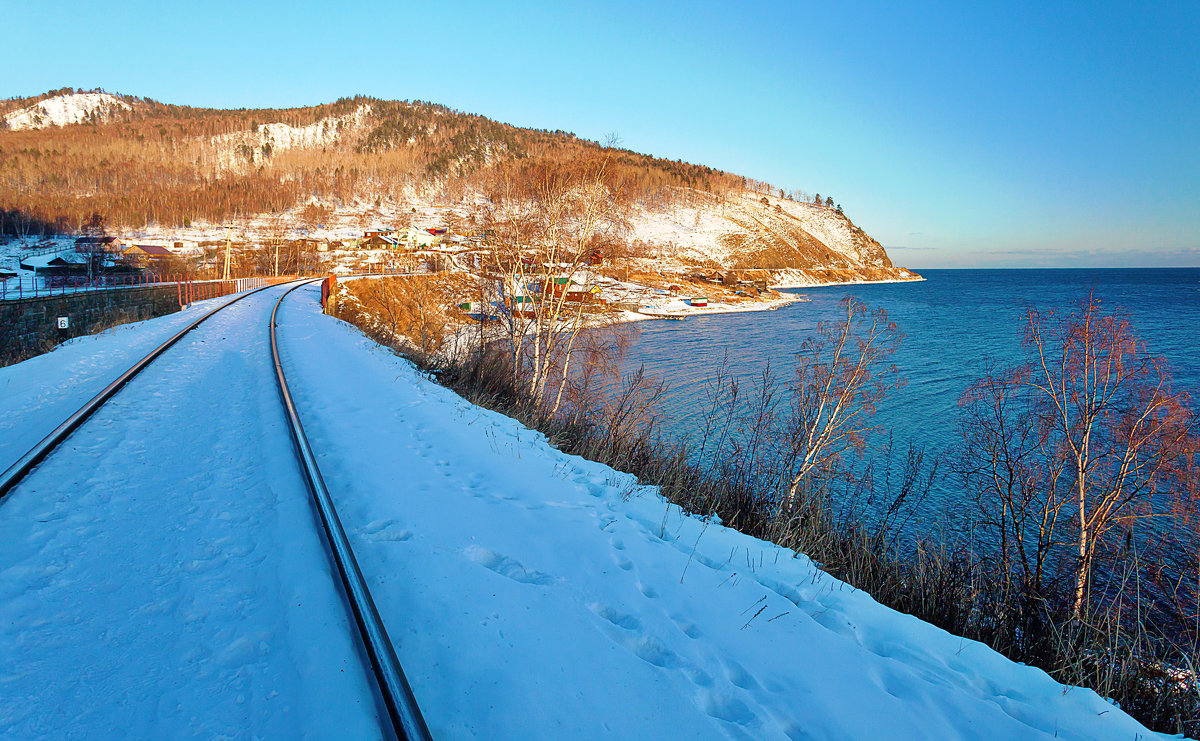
(30, 327)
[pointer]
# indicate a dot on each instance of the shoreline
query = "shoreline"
(785, 299)
(785, 286)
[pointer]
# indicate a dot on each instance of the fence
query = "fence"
(61, 285)
(189, 290)
(54, 248)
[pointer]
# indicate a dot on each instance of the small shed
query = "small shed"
(57, 264)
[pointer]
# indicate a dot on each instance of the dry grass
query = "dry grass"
(420, 310)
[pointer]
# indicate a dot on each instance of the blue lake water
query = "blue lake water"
(954, 322)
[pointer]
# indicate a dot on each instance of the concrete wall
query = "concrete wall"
(29, 327)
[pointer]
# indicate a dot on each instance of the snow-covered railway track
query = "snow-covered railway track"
(393, 685)
(221, 399)
(26, 463)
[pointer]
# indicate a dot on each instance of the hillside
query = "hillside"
(150, 167)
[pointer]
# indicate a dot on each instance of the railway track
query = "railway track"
(393, 685)
(403, 713)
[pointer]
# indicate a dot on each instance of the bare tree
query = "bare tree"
(1088, 431)
(1015, 476)
(544, 219)
(841, 374)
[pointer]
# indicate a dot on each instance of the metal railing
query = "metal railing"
(189, 290)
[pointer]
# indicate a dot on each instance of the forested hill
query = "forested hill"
(67, 154)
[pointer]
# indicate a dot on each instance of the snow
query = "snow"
(41, 392)
(695, 232)
(282, 136)
(166, 580)
(63, 110)
(534, 595)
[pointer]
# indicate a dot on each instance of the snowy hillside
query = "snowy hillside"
(64, 110)
(370, 162)
(530, 594)
(758, 230)
(253, 146)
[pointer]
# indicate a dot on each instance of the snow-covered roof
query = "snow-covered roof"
(38, 262)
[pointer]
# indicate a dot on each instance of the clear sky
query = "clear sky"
(958, 134)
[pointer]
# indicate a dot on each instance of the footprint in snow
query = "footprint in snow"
(738, 676)
(385, 530)
(505, 566)
(617, 618)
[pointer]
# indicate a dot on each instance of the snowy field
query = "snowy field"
(166, 579)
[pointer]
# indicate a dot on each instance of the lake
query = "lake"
(954, 322)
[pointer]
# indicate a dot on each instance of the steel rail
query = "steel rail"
(402, 708)
(26, 463)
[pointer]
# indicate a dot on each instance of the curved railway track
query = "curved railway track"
(404, 715)
(393, 685)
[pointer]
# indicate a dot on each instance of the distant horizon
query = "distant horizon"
(918, 269)
(951, 132)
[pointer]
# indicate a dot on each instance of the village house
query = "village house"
(378, 240)
(144, 253)
(422, 239)
(112, 245)
(306, 244)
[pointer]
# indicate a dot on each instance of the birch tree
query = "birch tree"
(1088, 433)
(543, 220)
(842, 372)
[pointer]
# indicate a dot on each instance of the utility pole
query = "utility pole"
(228, 249)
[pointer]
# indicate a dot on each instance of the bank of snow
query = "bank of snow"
(165, 579)
(537, 595)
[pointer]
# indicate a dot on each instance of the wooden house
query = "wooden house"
(111, 245)
(147, 252)
(376, 241)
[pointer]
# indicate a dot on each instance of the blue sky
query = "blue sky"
(958, 134)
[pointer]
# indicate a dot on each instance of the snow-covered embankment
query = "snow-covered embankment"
(534, 594)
